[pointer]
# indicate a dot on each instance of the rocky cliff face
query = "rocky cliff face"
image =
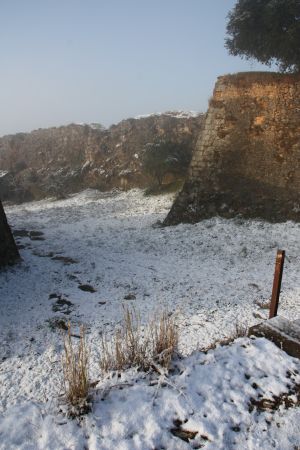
(246, 160)
(58, 161)
(8, 250)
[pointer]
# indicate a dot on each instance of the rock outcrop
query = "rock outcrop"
(9, 253)
(58, 161)
(247, 158)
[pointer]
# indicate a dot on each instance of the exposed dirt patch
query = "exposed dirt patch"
(43, 255)
(262, 304)
(72, 277)
(21, 246)
(87, 288)
(65, 259)
(53, 295)
(130, 296)
(188, 435)
(20, 233)
(57, 324)
(62, 305)
(185, 435)
(288, 400)
(36, 235)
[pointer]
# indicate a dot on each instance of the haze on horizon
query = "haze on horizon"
(66, 61)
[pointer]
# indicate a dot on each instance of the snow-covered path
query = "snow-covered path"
(215, 274)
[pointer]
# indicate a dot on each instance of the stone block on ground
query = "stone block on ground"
(284, 333)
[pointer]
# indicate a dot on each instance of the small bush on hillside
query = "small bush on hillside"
(169, 188)
(163, 157)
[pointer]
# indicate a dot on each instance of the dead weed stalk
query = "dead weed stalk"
(144, 347)
(75, 364)
(164, 333)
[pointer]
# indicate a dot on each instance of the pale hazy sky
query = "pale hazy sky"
(103, 61)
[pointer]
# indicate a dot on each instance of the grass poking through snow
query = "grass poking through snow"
(75, 363)
(135, 345)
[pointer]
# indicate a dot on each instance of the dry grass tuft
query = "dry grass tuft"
(165, 337)
(128, 347)
(241, 330)
(75, 364)
(144, 347)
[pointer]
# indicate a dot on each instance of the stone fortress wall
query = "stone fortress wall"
(61, 160)
(247, 158)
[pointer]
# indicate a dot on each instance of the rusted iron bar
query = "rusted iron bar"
(277, 283)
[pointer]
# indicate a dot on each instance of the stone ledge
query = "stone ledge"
(284, 333)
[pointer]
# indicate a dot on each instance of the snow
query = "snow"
(86, 165)
(93, 125)
(176, 114)
(125, 172)
(214, 275)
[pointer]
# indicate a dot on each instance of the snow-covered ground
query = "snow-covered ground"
(215, 275)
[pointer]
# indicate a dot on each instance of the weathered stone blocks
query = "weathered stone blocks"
(247, 158)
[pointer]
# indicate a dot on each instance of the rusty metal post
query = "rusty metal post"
(277, 283)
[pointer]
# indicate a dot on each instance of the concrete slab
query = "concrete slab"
(284, 333)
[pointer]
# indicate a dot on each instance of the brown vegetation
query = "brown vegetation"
(144, 347)
(75, 364)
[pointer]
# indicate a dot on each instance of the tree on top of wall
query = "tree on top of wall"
(266, 30)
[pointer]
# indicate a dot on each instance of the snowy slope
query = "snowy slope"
(214, 274)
